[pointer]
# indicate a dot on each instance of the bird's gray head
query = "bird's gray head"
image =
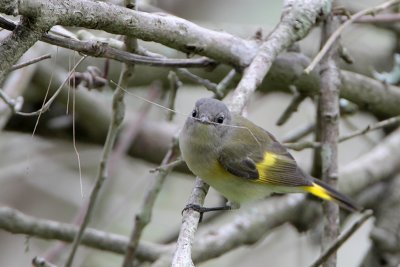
(211, 111)
(207, 118)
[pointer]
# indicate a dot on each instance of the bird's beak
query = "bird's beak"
(204, 119)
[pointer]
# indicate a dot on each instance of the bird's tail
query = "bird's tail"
(324, 191)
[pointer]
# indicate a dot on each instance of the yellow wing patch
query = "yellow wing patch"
(318, 191)
(268, 161)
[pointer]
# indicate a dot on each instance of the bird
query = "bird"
(242, 161)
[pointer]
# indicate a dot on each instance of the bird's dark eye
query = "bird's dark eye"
(194, 113)
(220, 119)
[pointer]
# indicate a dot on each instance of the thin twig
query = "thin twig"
(219, 89)
(132, 46)
(380, 18)
(341, 28)
(164, 168)
(394, 121)
(291, 108)
(382, 124)
(14, 105)
(197, 79)
(143, 217)
(342, 239)
(174, 84)
(47, 105)
(302, 145)
(298, 133)
(29, 62)
(118, 110)
(223, 85)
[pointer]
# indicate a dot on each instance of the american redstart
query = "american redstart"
(243, 161)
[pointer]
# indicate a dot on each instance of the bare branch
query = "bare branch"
(47, 105)
(369, 94)
(143, 217)
(174, 84)
(165, 29)
(302, 145)
(298, 133)
(380, 18)
(394, 121)
(29, 62)
(16, 222)
(190, 221)
(25, 35)
(342, 239)
(328, 116)
(338, 32)
(118, 110)
(382, 124)
(291, 108)
(296, 20)
(194, 78)
(16, 84)
(97, 48)
(223, 85)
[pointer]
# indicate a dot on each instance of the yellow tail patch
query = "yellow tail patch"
(318, 191)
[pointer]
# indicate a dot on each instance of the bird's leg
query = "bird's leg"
(202, 210)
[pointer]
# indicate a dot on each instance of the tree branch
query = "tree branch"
(118, 112)
(342, 239)
(25, 35)
(296, 20)
(332, 39)
(29, 62)
(165, 29)
(328, 116)
(16, 222)
(287, 70)
(143, 217)
(97, 48)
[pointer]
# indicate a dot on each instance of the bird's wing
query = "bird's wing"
(243, 167)
(269, 163)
